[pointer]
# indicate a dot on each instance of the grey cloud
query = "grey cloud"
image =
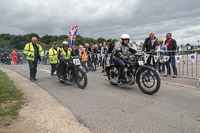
(103, 18)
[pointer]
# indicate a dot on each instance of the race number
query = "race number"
(76, 61)
(141, 63)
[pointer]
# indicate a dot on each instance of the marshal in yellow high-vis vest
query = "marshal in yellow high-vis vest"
(29, 51)
(53, 54)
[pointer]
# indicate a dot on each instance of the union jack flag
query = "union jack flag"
(72, 35)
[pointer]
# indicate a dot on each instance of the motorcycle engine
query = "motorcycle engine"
(128, 76)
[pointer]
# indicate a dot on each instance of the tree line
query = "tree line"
(9, 42)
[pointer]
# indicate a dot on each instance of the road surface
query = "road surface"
(104, 108)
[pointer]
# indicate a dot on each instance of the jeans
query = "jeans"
(89, 63)
(158, 64)
(121, 65)
(83, 64)
(94, 60)
(173, 64)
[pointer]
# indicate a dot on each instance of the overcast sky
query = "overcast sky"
(103, 18)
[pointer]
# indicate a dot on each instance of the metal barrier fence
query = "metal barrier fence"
(187, 63)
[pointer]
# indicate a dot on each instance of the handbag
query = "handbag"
(162, 60)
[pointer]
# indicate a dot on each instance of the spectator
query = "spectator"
(104, 51)
(84, 57)
(88, 51)
(94, 56)
(75, 50)
(161, 50)
(171, 47)
(110, 49)
(133, 46)
(149, 45)
(99, 55)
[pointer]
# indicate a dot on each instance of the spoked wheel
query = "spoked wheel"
(82, 79)
(113, 76)
(148, 80)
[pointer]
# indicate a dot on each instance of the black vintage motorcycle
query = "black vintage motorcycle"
(75, 73)
(146, 77)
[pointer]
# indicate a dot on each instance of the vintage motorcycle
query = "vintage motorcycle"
(75, 73)
(136, 71)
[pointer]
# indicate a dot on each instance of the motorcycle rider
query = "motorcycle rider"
(120, 53)
(63, 55)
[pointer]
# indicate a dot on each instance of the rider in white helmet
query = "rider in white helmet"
(120, 53)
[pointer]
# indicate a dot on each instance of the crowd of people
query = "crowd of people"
(161, 48)
(101, 54)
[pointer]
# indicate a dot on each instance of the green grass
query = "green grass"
(11, 100)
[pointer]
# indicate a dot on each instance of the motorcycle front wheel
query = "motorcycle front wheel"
(81, 79)
(148, 80)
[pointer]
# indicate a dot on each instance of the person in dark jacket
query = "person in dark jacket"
(149, 45)
(94, 56)
(110, 49)
(171, 47)
(88, 50)
(110, 46)
(75, 50)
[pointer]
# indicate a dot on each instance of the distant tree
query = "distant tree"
(18, 42)
(30, 35)
(79, 40)
(187, 44)
(101, 40)
(91, 41)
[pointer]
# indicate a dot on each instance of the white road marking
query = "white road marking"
(45, 70)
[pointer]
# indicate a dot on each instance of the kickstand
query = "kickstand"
(198, 84)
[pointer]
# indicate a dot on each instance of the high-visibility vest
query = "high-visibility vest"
(53, 53)
(66, 55)
(84, 55)
(29, 50)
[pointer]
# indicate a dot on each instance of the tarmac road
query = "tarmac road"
(104, 108)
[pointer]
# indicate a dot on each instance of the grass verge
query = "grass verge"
(11, 100)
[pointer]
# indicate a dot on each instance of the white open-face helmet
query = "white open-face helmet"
(65, 43)
(124, 37)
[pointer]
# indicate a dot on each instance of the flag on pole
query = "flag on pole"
(72, 35)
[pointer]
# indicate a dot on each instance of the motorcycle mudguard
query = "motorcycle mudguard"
(82, 69)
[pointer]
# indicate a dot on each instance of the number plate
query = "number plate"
(76, 61)
(141, 63)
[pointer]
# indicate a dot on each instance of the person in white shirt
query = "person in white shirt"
(131, 45)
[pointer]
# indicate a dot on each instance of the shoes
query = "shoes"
(121, 79)
(175, 76)
(34, 79)
(102, 71)
(53, 74)
(62, 78)
(31, 79)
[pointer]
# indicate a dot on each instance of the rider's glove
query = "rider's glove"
(124, 57)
